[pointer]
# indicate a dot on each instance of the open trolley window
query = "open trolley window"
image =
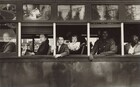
(105, 39)
(131, 39)
(75, 37)
(37, 39)
(8, 40)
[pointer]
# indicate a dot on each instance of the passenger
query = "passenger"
(104, 46)
(74, 46)
(10, 46)
(44, 47)
(133, 47)
(62, 49)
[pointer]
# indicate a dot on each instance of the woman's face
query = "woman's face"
(74, 39)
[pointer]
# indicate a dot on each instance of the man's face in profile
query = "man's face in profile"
(60, 40)
(104, 34)
(6, 37)
(42, 38)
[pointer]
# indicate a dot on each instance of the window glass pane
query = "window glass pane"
(133, 12)
(7, 12)
(36, 12)
(71, 12)
(131, 39)
(105, 12)
(37, 40)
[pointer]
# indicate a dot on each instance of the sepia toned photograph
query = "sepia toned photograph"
(71, 12)
(36, 12)
(75, 43)
(105, 12)
(7, 12)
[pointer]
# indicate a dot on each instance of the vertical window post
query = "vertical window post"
(88, 39)
(54, 38)
(19, 39)
(122, 39)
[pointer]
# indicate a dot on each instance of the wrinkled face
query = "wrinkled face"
(42, 38)
(6, 37)
(104, 34)
(135, 39)
(74, 39)
(60, 40)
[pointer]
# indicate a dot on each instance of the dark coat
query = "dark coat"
(64, 50)
(9, 47)
(43, 48)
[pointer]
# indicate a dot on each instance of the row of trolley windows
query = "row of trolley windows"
(55, 39)
(69, 12)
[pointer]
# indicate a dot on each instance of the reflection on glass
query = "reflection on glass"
(105, 41)
(7, 38)
(133, 12)
(101, 9)
(105, 12)
(36, 12)
(112, 11)
(64, 12)
(71, 12)
(7, 12)
(78, 12)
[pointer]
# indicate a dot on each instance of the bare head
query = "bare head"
(74, 38)
(60, 40)
(43, 37)
(6, 37)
